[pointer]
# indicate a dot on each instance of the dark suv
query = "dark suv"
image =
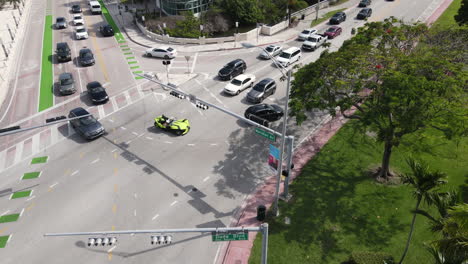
(337, 18)
(86, 57)
(262, 90)
(88, 127)
(232, 69)
(63, 52)
(106, 30)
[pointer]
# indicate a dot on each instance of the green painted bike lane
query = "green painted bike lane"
(46, 94)
(120, 38)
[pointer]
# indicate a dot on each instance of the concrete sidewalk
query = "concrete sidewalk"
(127, 26)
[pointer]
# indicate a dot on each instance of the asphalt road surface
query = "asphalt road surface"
(136, 176)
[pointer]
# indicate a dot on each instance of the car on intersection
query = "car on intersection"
(97, 93)
(78, 20)
(270, 51)
(88, 127)
(239, 84)
(261, 90)
(232, 69)
(333, 32)
(364, 13)
(76, 9)
(179, 127)
(307, 33)
(337, 18)
(106, 30)
(66, 84)
(86, 57)
(81, 32)
(269, 112)
(61, 22)
(164, 52)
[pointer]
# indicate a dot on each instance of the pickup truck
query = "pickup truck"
(314, 42)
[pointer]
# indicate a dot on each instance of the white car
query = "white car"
(161, 52)
(78, 20)
(239, 84)
(271, 51)
(306, 33)
(81, 33)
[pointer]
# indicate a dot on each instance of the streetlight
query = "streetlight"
(283, 132)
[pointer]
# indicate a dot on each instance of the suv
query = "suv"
(232, 69)
(337, 18)
(86, 57)
(365, 3)
(289, 56)
(88, 127)
(262, 90)
(63, 52)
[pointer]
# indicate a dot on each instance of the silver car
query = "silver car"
(66, 83)
(61, 22)
(270, 51)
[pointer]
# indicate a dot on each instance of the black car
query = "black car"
(86, 57)
(262, 90)
(76, 9)
(364, 13)
(267, 112)
(365, 3)
(337, 18)
(88, 127)
(232, 69)
(63, 52)
(66, 83)
(106, 30)
(97, 93)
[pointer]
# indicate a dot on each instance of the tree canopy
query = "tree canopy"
(400, 78)
(462, 16)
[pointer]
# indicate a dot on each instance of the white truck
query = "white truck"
(314, 42)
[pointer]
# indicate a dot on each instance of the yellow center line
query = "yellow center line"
(81, 155)
(116, 188)
(67, 172)
(30, 207)
(109, 256)
(99, 56)
(115, 155)
(50, 189)
(115, 171)
(114, 208)
(2, 230)
(113, 228)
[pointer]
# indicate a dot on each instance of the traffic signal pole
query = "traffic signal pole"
(218, 234)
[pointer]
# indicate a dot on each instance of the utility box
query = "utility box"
(261, 212)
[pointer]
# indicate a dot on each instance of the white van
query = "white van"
(95, 7)
(289, 56)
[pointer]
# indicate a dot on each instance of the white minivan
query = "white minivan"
(289, 56)
(95, 7)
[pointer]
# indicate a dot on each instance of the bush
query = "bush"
(365, 257)
(215, 21)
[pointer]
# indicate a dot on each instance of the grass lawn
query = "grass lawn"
(337, 208)
(447, 18)
(325, 17)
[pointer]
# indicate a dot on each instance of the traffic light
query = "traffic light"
(102, 241)
(176, 94)
(161, 240)
(202, 106)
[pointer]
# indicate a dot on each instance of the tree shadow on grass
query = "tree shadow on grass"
(327, 208)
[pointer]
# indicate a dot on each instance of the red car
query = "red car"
(333, 31)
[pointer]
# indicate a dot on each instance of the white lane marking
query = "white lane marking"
(189, 191)
(110, 120)
(22, 211)
(204, 180)
(75, 172)
(94, 161)
(174, 202)
(213, 144)
(150, 138)
(211, 93)
(9, 238)
(168, 142)
(235, 157)
(193, 63)
(110, 249)
(217, 253)
(134, 212)
(101, 112)
(128, 142)
(114, 150)
(154, 217)
(124, 128)
(135, 195)
(53, 185)
(30, 198)
(191, 145)
(135, 133)
(6, 212)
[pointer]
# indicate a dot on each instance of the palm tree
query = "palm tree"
(424, 183)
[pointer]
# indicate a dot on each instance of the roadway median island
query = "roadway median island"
(117, 34)
(46, 95)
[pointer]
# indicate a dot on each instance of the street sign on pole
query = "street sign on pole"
(266, 134)
(229, 236)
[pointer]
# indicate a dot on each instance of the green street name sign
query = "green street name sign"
(229, 236)
(266, 134)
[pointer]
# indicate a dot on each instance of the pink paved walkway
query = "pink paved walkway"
(238, 252)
